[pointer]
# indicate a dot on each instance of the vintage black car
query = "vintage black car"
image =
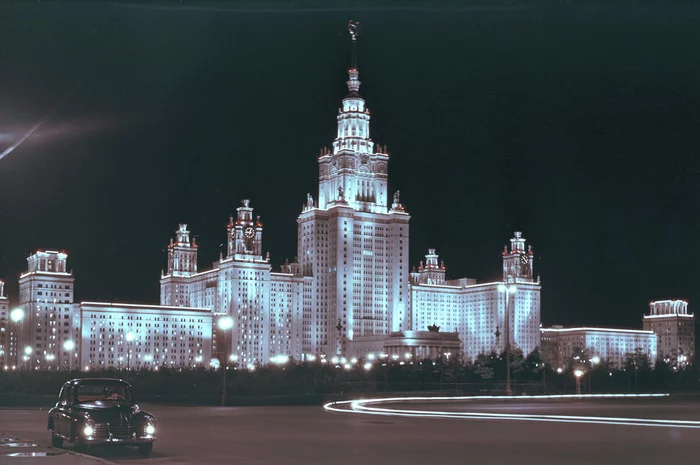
(100, 411)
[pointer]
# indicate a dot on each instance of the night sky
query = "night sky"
(577, 125)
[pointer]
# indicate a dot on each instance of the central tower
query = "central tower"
(351, 241)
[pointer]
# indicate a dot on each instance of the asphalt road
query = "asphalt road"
(309, 435)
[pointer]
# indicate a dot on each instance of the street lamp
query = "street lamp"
(225, 323)
(69, 346)
(578, 374)
(28, 355)
(129, 337)
(509, 289)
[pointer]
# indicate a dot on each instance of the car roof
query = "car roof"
(84, 381)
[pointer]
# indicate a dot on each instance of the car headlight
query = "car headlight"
(88, 430)
(135, 409)
(150, 429)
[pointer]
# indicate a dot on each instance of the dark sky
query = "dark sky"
(577, 125)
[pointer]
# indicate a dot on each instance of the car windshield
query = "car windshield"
(102, 391)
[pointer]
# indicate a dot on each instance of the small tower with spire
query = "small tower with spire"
(182, 253)
(430, 271)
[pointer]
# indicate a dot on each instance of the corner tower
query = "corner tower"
(353, 244)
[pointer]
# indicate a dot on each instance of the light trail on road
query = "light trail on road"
(362, 406)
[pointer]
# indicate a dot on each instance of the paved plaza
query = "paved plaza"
(310, 435)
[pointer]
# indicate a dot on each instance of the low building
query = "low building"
(116, 335)
(675, 330)
(419, 344)
(604, 344)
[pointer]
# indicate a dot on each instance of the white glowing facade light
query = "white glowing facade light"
(280, 359)
(368, 366)
(69, 345)
(27, 350)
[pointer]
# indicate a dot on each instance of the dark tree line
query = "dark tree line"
(313, 383)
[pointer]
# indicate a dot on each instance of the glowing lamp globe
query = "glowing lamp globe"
(17, 315)
(69, 345)
(225, 323)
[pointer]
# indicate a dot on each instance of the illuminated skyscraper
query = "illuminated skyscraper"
(266, 306)
(352, 241)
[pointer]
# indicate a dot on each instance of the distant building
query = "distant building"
(607, 344)
(8, 344)
(117, 335)
(50, 318)
(675, 330)
(477, 311)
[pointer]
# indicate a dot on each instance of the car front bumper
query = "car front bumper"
(129, 441)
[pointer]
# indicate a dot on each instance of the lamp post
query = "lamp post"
(49, 358)
(595, 360)
(578, 374)
(509, 288)
(16, 315)
(129, 337)
(69, 346)
(225, 323)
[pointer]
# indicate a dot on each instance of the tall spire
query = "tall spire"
(353, 81)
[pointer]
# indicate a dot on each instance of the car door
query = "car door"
(62, 419)
(56, 414)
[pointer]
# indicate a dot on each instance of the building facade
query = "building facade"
(675, 330)
(50, 317)
(607, 344)
(483, 314)
(132, 336)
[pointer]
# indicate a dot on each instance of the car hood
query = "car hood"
(106, 410)
(105, 404)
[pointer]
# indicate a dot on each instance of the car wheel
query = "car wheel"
(56, 440)
(78, 445)
(145, 449)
